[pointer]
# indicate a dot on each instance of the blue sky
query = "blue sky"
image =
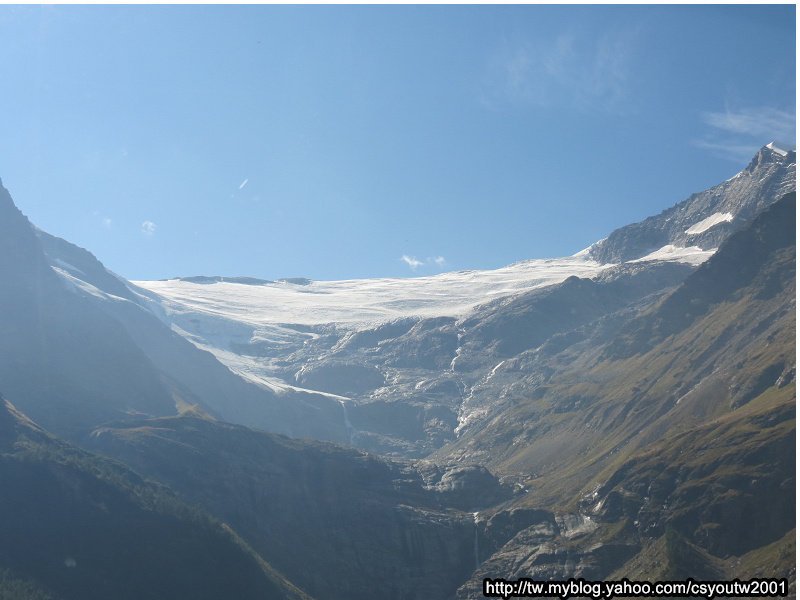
(331, 142)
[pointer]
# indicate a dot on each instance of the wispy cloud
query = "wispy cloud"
(148, 228)
(583, 71)
(244, 183)
(763, 121)
(100, 218)
(414, 263)
(737, 134)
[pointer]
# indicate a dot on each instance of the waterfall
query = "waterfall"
(477, 559)
(347, 424)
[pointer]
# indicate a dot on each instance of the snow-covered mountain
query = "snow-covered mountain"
(352, 341)
(388, 364)
(688, 232)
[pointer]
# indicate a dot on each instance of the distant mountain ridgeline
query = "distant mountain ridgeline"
(243, 280)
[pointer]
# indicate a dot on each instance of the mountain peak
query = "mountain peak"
(780, 148)
(773, 154)
(706, 218)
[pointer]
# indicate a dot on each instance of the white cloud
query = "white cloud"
(106, 222)
(412, 262)
(244, 183)
(148, 228)
(737, 134)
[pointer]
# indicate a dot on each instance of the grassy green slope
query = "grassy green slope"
(722, 338)
(727, 485)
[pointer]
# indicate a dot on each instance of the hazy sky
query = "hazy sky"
(331, 142)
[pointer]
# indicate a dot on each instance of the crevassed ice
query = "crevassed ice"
(365, 300)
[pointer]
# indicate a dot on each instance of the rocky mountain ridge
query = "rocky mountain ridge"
(706, 218)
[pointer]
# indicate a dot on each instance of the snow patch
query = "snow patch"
(739, 174)
(709, 222)
(497, 366)
(692, 255)
(79, 285)
(68, 267)
(774, 147)
(585, 252)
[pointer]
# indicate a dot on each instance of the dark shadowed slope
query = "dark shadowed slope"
(78, 527)
(65, 364)
(334, 520)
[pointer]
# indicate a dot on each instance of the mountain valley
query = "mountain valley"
(628, 411)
